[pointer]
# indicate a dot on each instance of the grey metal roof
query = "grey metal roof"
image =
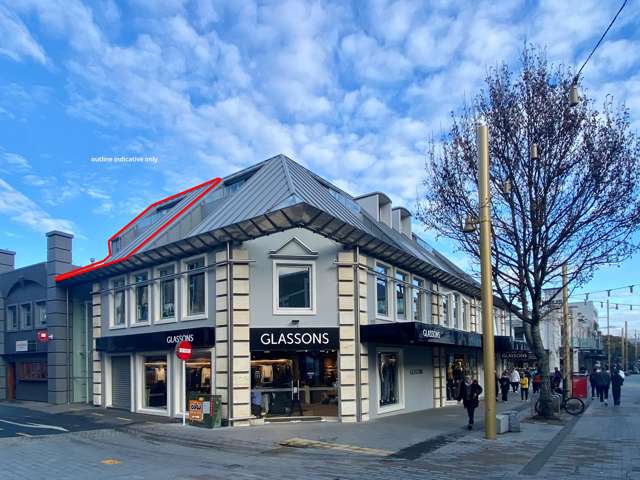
(275, 195)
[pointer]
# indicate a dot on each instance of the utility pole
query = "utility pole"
(568, 360)
(636, 347)
(626, 347)
(608, 339)
(488, 350)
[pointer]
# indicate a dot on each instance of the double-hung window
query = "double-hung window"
(401, 295)
(167, 292)
(417, 294)
(196, 295)
(141, 289)
(456, 311)
(466, 316)
(119, 302)
(294, 287)
(12, 317)
(445, 309)
(382, 290)
(41, 314)
(26, 316)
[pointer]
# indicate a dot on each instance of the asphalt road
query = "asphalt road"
(20, 421)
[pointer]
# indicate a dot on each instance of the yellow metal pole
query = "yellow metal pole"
(568, 361)
(488, 351)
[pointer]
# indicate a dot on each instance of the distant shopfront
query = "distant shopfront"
(144, 375)
(294, 372)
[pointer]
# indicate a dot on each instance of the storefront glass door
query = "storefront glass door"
(458, 366)
(295, 384)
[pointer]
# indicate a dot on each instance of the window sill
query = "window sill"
(117, 327)
(390, 408)
(140, 324)
(294, 311)
(153, 411)
(163, 321)
(200, 316)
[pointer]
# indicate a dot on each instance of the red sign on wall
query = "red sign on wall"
(43, 336)
(184, 350)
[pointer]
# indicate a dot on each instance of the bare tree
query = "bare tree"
(575, 201)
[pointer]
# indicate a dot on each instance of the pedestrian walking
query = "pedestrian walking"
(524, 388)
(469, 393)
(537, 381)
(556, 379)
(617, 379)
(505, 383)
(592, 381)
(603, 379)
(515, 379)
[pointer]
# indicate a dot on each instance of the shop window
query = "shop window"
(382, 290)
(26, 317)
(418, 296)
(294, 288)
(196, 286)
(294, 384)
(445, 310)
(141, 290)
(32, 371)
(119, 303)
(167, 292)
(12, 317)
(389, 374)
(198, 371)
(41, 314)
(401, 295)
(155, 382)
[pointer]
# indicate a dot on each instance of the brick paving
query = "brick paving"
(603, 443)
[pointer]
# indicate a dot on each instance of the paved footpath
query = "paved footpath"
(603, 443)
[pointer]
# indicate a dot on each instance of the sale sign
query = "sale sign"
(196, 410)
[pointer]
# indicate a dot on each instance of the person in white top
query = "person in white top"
(515, 379)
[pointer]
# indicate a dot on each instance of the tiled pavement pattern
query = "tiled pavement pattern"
(604, 443)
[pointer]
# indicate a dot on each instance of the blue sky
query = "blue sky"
(202, 88)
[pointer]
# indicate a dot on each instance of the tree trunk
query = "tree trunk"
(546, 404)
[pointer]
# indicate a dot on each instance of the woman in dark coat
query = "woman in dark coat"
(469, 392)
(505, 383)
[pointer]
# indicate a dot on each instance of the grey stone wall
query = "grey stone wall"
(58, 261)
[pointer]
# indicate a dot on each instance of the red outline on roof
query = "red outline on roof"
(210, 185)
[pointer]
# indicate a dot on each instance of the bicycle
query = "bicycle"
(572, 405)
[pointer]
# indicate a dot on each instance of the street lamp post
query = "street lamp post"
(486, 285)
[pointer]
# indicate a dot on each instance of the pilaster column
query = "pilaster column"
(353, 361)
(233, 357)
(3, 364)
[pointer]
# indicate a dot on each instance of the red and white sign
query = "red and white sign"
(184, 350)
(43, 336)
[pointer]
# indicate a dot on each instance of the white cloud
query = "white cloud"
(17, 41)
(13, 163)
(21, 209)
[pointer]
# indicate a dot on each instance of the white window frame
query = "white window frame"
(390, 291)
(157, 287)
(423, 302)
(408, 310)
(277, 310)
(140, 384)
(112, 303)
(9, 328)
(401, 403)
(36, 322)
(21, 321)
(184, 280)
(133, 308)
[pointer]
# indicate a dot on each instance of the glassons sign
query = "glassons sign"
(294, 338)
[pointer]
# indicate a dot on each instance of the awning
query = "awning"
(418, 333)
